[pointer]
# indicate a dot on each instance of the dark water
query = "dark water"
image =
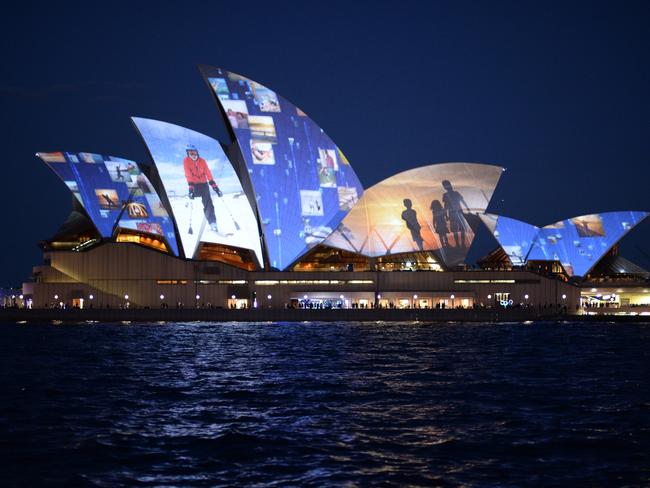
(325, 404)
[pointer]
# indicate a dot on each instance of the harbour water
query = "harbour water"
(318, 404)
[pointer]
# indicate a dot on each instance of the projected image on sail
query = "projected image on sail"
(204, 192)
(303, 183)
(514, 236)
(431, 208)
(114, 192)
(579, 243)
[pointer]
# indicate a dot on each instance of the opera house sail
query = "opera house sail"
(514, 236)
(203, 190)
(115, 194)
(303, 183)
(277, 216)
(432, 208)
(580, 242)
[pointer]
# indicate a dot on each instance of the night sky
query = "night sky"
(556, 93)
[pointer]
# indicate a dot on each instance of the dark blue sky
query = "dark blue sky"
(555, 92)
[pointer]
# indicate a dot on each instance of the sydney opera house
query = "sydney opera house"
(276, 217)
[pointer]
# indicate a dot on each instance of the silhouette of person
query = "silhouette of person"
(440, 222)
(453, 202)
(411, 218)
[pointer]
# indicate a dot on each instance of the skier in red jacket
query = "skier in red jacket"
(199, 177)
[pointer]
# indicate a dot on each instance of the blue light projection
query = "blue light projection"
(205, 195)
(579, 243)
(514, 236)
(114, 192)
(303, 183)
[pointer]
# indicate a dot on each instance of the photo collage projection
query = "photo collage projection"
(303, 183)
(514, 236)
(110, 188)
(204, 192)
(431, 208)
(578, 243)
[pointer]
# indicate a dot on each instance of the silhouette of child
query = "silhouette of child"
(440, 222)
(411, 218)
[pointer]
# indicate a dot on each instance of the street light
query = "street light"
(126, 297)
(563, 297)
(56, 297)
(526, 296)
(452, 300)
(162, 297)
(90, 297)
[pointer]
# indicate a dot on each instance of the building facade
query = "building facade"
(276, 217)
(129, 275)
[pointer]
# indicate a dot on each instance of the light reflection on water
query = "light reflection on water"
(309, 403)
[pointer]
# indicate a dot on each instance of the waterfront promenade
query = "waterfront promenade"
(275, 315)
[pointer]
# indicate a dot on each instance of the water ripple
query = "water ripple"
(200, 404)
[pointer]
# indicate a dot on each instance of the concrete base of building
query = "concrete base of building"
(116, 276)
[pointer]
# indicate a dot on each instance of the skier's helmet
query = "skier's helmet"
(192, 151)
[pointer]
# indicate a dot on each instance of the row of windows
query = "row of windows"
(310, 282)
(313, 282)
(268, 282)
(484, 281)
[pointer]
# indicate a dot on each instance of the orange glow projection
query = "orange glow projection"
(431, 208)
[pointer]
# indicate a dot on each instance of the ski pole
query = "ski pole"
(223, 166)
(230, 213)
(190, 231)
